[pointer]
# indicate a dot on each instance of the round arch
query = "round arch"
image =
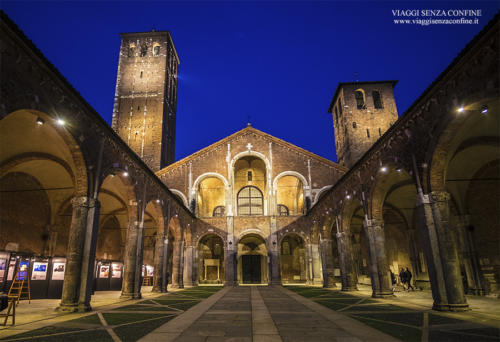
(180, 195)
(208, 175)
(74, 152)
(290, 173)
(321, 192)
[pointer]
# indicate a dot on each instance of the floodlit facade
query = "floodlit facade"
(94, 207)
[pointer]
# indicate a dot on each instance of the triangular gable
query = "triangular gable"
(250, 129)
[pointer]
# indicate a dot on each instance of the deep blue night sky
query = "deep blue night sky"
(278, 62)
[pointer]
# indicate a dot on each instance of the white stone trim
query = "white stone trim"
(323, 189)
(181, 195)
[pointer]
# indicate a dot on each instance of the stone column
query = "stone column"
(130, 262)
(432, 255)
(327, 262)
(78, 255)
(380, 274)
(188, 266)
(176, 264)
(348, 275)
(164, 279)
(314, 262)
(470, 257)
(230, 255)
(158, 263)
(274, 268)
(448, 251)
(309, 265)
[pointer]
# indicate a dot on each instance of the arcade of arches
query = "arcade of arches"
(252, 208)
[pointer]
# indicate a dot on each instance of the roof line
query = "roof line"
(254, 130)
(89, 110)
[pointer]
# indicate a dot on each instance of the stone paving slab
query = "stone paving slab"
(263, 314)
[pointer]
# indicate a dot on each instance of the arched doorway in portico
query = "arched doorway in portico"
(252, 260)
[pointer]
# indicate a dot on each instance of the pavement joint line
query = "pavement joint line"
(108, 328)
(425, 327)
(262, 322)
(350, 306)
(342, 320)
(388, 322)
(176, 326)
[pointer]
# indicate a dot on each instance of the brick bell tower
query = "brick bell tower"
(362, 112)
(144, 111)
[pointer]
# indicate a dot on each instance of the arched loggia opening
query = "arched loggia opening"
(394, 204)
(211, 260)
(289, 196)
(293, 259)
(352, 227)
(250, 186)
(464, 174)
(252, 260)
(115, 220)
(211, 197)
(43, 178)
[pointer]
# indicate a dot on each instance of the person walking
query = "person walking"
(408, 276)
(402, 278)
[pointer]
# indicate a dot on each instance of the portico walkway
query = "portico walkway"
(255, 313)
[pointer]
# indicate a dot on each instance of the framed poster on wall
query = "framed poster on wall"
(3, 266)
(58, 270)
(104, 271)
(39, 270)
(10, 272)
(116, 270)
(149, 271)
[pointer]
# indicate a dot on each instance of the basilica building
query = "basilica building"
(87, 207)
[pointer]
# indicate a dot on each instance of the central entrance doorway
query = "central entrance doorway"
(250, 269)
(252, 260)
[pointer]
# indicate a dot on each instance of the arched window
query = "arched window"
(144, 50)
(219, 211)
(282, 210)
(360, 99)
(250, 201)
(354, 124)
(377, 100)
(340, 107)
(156, 50)
(131, 50)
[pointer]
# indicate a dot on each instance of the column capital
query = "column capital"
(373, 224)
(341, 235)
(84, 201)
(440, 196)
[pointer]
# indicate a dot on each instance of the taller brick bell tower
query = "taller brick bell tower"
(362, 112)
(144, 111)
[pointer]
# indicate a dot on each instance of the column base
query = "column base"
(177, 286)
(230, 283)
(133, 295)
(275, 282)
(349, 288)
(157, 290)
(459, 307)
(382, 294)
(67, 308)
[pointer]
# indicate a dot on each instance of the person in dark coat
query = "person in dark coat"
(402, 278)
(408, 276)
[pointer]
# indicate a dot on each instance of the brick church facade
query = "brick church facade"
(420, 190)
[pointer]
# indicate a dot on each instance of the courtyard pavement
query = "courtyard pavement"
(258, 313)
